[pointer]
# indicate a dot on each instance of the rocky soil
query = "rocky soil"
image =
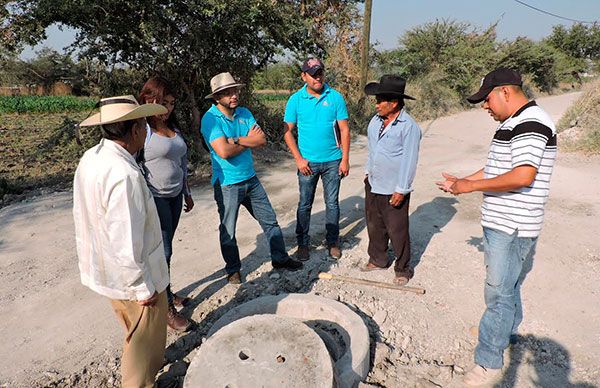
(59, 334)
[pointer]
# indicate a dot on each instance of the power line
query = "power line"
(553, 14)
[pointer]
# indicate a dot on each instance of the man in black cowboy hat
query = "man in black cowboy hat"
(393, 153)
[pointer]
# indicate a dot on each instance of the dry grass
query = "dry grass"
(38, 150)
(585, 115)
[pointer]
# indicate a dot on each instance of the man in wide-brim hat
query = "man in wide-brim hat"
(231, 132)
(394, 139)
(117, 230)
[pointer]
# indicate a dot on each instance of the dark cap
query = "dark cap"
(312, 65)
(498, 77)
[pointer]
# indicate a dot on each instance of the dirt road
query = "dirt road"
(55, 331)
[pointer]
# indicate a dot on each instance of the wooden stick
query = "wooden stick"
(329, 276)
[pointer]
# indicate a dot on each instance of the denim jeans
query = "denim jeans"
(508, 260)
(330, 176)
(252, 196)
(169, 211)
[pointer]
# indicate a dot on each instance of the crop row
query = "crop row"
(45, 104)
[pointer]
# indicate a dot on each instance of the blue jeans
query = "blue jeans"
(252, 195)
(508, 260)
(330, 176)
(169, 211)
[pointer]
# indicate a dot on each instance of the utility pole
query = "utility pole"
(364, 55)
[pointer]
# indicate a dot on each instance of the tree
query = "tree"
(187, 41)
(580, 41)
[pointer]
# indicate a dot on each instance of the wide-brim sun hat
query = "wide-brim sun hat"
(122, 108)
(389, 85)
(221, 82)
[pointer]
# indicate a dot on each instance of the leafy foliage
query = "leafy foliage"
(185, 41)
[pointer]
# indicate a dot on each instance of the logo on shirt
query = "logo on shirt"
(325, 103)
(241, 121)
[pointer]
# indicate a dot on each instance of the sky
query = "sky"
(391, 18)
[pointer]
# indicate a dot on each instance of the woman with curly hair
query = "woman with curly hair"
(165, 168)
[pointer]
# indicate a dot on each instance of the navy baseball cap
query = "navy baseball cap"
(312, 65)
(499, 77)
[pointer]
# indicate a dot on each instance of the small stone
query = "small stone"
(380, 316)
(274, 276)
(458, 369)
(404, 358)
(405, 342)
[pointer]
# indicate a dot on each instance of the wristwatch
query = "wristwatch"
(236, 140)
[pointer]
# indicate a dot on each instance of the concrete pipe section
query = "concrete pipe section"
(344, 333)
(262, 351)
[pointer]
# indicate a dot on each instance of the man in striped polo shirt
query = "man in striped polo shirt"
(515, 183)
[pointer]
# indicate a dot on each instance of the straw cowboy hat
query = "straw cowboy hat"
(221, 82)
(122, 108)
(390, 85)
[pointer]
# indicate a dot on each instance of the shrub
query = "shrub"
(585, 114)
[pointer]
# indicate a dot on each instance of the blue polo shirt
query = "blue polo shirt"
(215, 125)
(315, 119)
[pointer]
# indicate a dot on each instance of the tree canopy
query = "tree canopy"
(187, 41)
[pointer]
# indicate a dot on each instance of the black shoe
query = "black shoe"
(514, 339)
(234, 278)
(289, 264)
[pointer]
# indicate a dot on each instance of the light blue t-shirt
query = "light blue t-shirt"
(315, 119)
(215, 125)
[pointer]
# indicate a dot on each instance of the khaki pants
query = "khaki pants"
(144, 348)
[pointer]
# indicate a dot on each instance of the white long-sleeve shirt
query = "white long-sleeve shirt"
(117, 230)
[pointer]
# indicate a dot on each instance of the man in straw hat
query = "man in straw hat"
(323, 151)
(394, 139)
(231, 133)
(515, 184)
(118, 235)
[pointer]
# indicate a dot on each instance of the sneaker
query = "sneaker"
(289, 264)
(335, 252)
(234, 278)
(176, 321)
(302, 253)
(479, 376)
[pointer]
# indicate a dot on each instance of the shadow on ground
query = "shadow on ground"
(550, 360)
(426, 221)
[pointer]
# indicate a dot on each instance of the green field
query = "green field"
(45, 104)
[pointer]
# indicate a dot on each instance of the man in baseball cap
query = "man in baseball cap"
(322, 150)
(499, 77)
(515, 184)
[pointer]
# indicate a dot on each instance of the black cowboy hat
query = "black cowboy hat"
(390, 85)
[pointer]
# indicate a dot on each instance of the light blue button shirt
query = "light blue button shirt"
(315, 118)
(393, 156)
(215, 125)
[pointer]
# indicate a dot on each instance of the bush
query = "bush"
(45, 104)
(434, 98)
(585, 114)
